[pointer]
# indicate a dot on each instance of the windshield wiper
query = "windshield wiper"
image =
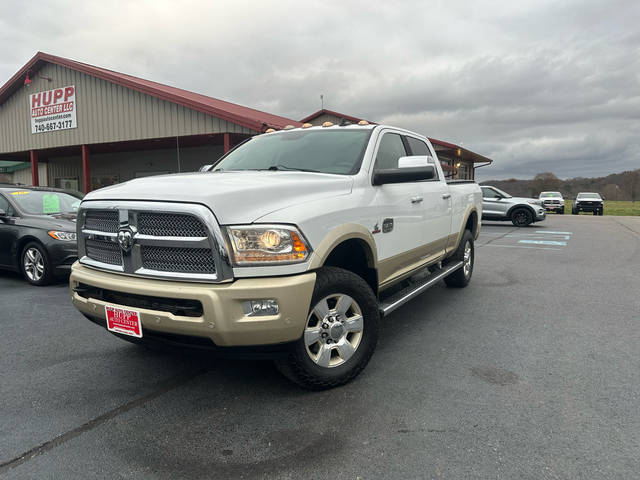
(285, 167)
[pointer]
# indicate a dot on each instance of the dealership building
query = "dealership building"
(72, 125)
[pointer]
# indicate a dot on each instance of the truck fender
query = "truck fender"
(340, 234)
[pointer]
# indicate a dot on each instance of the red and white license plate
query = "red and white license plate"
(121, 320)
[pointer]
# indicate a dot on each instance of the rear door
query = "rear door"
(437, 203)
(493, 204)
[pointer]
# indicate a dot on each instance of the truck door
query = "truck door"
(401, 233)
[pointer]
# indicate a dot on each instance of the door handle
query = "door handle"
(446, 195)
(416, 199)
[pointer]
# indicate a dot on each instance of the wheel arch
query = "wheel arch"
(352, 248)
(521, 205)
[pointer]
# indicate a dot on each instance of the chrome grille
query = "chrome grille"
(185, 260)
(102, 220)
(166, 240)
(170, 225)
(104, 251)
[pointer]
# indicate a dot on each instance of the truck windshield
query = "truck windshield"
(550, 195)
(592, 196)
(325, 151)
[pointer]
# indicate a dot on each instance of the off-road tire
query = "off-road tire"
(521, 217)
(298, 365)
(47, 275)
(461, 277)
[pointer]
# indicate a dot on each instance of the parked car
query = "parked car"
(499, 205)
(296, 241)
(588, 202)
(38, 231)
(552, 201)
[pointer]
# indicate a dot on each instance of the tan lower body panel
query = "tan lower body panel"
(399, 267)
(223, 320)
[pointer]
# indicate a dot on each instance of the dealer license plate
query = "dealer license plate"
(121, 320)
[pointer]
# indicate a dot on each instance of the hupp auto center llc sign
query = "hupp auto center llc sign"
(53, 110)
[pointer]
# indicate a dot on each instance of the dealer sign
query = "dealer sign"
(53, 110)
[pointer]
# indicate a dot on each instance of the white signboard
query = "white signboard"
(53, 110)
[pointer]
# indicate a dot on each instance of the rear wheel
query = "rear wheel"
(465, 254)
(521, 217)
(340, 334)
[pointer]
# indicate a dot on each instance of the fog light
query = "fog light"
(257, 308)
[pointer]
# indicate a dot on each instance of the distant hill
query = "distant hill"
(617, 186)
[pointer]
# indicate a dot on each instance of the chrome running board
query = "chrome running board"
(403, 296)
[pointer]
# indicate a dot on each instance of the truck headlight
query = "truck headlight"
(64, 236)
(535, 202)
(267, 244)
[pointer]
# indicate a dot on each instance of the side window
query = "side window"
(418, 147)
(4, 204)
(390, 150)
(489, 193)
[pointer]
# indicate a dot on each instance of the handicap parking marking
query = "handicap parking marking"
(544, 242)
(552, 232)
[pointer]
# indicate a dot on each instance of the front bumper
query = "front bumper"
(554, 207)
(541, 214)
(223, 320)
(588, 208)
(62, 255)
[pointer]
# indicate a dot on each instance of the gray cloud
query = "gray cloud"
(535, 85)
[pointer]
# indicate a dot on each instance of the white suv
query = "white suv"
(552, 201)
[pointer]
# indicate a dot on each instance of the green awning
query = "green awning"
(7, 166)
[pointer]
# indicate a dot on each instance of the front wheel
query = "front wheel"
(522, 217)
(35, 265)
(562, 210)
(340, 334)
(465, 254)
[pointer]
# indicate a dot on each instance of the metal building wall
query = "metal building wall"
(325, 117)
(24, 175)
(129, 165)
(106, 112)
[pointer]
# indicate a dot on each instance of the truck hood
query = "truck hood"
(234, 197)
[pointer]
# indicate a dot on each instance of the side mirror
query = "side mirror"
(3, 215)
(405, 174)
(205, 168)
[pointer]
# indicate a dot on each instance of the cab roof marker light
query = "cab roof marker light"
(289, 127)
(270, 130)
(306, 125)
(363, 122)
(327, 124)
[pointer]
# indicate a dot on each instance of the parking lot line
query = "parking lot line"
(544, 242)
(520, 246)
(551, 231)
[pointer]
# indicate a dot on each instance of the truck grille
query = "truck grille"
(104, 251)
(168, 240)
(186, 260)
(102, 220)
(170, 225)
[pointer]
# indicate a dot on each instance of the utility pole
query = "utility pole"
(322, 101)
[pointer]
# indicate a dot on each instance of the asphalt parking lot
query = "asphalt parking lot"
(532, 372)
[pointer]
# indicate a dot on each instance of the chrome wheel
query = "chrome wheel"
(334, 330)
(33, 264)
(467, 260)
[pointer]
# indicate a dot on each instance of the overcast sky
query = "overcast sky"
(535, 85)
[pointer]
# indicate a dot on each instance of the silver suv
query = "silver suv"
(499, 205)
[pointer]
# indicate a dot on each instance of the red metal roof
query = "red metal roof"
(238, 114)
(331, 112)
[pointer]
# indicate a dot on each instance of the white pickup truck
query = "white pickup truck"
(295, 243)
